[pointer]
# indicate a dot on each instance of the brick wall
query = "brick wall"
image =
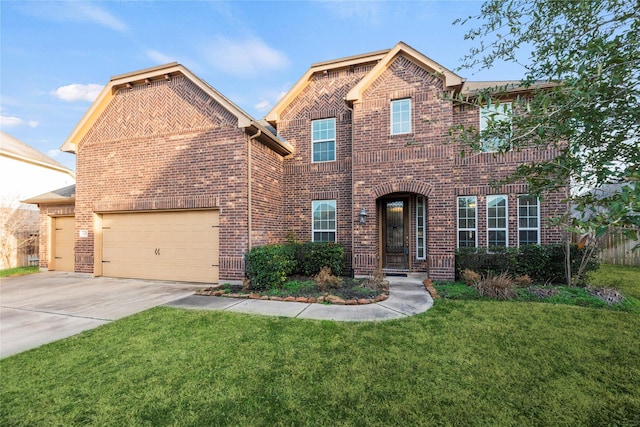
(46, 212)
(164, 146)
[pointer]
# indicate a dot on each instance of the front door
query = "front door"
(395, 235)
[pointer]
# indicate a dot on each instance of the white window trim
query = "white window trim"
(391, 116)
(335, 140)
(506, 218)
(537, 229)
(314, 203)
(421, 200)
(458, 229)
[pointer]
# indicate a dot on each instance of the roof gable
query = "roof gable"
(451, 79)
(167, 72)
(14, 148)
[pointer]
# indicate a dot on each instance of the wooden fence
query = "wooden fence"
(617, 249)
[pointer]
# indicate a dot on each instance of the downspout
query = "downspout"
(249, 188)
(353, 227)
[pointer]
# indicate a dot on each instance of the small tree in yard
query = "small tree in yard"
(18, 229)
(583, 77)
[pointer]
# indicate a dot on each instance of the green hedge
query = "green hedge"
(543, 263)
(267, 267)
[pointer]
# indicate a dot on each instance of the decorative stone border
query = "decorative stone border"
(428, 285)
(217, 291)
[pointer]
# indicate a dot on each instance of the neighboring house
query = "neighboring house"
(24, 172)
(176, 182)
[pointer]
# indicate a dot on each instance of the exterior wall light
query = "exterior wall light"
(363, 216)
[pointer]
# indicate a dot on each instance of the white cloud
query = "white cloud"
(78, 92)
(90, 12)
(362, 10)
(54, 153)
(263, 106)
(9, 121)
(73, 11)
(245, 58)
(159, 57)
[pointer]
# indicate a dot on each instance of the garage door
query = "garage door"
(180, 246)
(63, 243)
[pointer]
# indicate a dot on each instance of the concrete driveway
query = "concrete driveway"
(40, 308)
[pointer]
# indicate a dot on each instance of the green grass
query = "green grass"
(624, 278)
(17, 271)
(460, 363)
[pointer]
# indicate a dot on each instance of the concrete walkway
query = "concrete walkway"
(407, 297)
(40, 308)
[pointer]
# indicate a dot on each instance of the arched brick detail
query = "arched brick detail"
(403, 186)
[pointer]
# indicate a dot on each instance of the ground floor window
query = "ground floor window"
(421, 228)
(467, 220)
(497, 221)
(528, 220)
(324, 220)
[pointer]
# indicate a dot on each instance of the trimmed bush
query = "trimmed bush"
(542, 263)
(312, 256)
(267, 267)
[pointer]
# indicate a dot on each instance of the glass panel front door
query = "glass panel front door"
(395, 236)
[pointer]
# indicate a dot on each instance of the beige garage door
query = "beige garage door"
(63, 243)
(180, 246)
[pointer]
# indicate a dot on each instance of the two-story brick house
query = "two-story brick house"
(176, 182)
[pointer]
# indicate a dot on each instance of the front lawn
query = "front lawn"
(18, 271)
(460, 363)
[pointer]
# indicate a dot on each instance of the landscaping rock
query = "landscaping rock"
(312, 300)
(302, 299)
(363, 301)
(264, 297)
(275, 299)
(380, 298)
(254, 296)
(335, 300)
(290, 299)
(352, 302)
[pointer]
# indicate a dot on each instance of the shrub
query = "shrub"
(325, 280)
(543, 264)
(496, 286)
(267, 267)
(470, 277)
(312, 256)
(523, 281)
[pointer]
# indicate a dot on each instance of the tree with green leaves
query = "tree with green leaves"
(582, 72)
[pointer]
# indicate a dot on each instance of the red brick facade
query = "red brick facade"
(167, 144)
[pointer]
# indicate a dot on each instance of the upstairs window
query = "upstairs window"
(323, 140)
(324, 220)
(528, 220)
(400, 116)
(497, 221)
(467, 219)
(498, 117)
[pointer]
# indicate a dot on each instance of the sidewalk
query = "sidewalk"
(407, 297)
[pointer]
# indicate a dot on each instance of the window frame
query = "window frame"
(322, 141)
(497, 110)
(314, 205)
(399, 102)
(459, 229)
(421, 225)
(537, 228)
(497, 218)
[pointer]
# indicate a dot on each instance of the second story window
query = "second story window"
(400, 116)
(323, 140)
(495, 125)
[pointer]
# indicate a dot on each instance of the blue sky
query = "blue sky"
(56, 56)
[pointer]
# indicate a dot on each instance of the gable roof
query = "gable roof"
(451, 79)
(319, 67)
(16, 149)
(166, 72)
(61, 195)
(384, 58)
